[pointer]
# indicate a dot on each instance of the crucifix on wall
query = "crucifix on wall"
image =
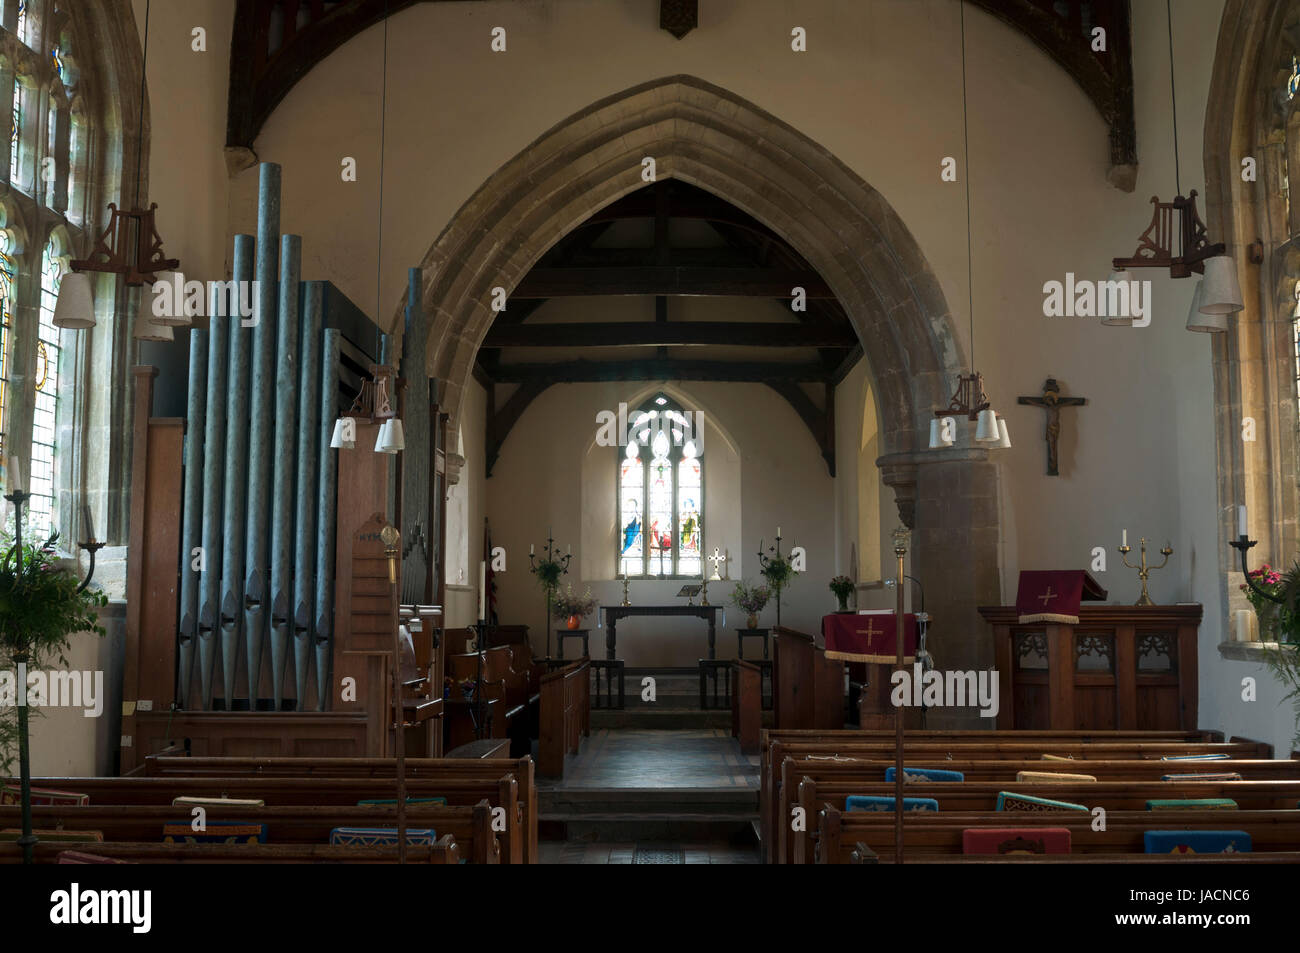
(1052, 402)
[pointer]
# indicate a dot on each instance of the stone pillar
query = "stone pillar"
(955, 555)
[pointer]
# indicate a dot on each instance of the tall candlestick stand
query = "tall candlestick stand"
(551, 563)
(391, 539)
(772, 557)
(901, 536)
(28, 840)
(1144, 571)
(625, 599)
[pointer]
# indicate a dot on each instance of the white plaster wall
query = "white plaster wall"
(762, 469)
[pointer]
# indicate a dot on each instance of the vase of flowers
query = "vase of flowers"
(750, 599)
(1277, 620)
(571, 608)
(842, 586)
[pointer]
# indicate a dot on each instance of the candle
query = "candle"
(778, 532)
(1242, 633)
(1124, 537)
(87, 526)
(570, 549)
(14, 476)
(482, 591)
(1241, 522)
(531, 550)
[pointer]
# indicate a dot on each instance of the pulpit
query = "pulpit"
(1117, 667)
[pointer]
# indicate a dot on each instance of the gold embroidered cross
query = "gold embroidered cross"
(870, 631)
(1048, 596)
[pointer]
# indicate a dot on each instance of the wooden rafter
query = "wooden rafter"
(669, 334)
(584, 371)
(819, 421)
(501, 422)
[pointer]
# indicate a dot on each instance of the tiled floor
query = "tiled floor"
(557, 852)
(638, 758)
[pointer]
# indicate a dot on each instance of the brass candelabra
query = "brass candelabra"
(1144, 571)
(625, 599)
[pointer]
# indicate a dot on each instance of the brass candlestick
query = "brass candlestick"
(625, 599)
(704, 589)
(1144, 571)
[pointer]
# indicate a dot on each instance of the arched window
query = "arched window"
(54, 264)
(7, 273)
(661, 492)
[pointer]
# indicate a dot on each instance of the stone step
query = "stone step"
(662, 719)
(632, 828)
(648, 802)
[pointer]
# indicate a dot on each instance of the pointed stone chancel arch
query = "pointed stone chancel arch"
(845, 229)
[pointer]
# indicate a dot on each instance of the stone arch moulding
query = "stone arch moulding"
(1250, 361)
(713, 139)
(705, 135)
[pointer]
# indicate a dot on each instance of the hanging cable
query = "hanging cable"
(965, 130)
(383, 116)
(1173, 98)
(139, 140)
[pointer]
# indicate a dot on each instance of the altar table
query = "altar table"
(614, 613)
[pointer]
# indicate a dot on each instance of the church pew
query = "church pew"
(499, 791)
(523, 769)
(470, 827)
(839, 832)
(565, 716)
(1270, 857)
(785, 793)
(935, 752)
(746, 704)
(969, 797)
(443, 851)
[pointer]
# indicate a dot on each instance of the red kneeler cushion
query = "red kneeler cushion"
(1015, 840)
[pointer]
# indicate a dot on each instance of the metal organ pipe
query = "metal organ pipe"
(214, 448)
(327, 497)
(308, 450)
(192, 524)
(232, 548)
(257, 536)
(287, 386)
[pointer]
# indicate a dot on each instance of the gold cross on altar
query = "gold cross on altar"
(1048, 596)
(870, 631)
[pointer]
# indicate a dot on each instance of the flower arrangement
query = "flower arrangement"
(751, 599)
(566, 604)
(41, 605)
(779, 572)
(548, 573)
(842, 587)
(1277, 621)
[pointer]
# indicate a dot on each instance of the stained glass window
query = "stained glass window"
(60, 66)
(50, 182)
(660, 494)
(15, 124)
(22, 21)
(47, 394)
(7, 270)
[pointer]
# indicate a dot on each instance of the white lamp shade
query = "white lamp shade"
(986, 427)
(74, 308)
(396, 435)
(177, 315)
(1004, 436)
(344, 435)
(1198, 320)
(384, 443)
(146, 330)
(1119, 320)
(1221, 290)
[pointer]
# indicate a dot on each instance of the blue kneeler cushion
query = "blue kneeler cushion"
(860, 802)
(1197, 842)
(925, 774)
